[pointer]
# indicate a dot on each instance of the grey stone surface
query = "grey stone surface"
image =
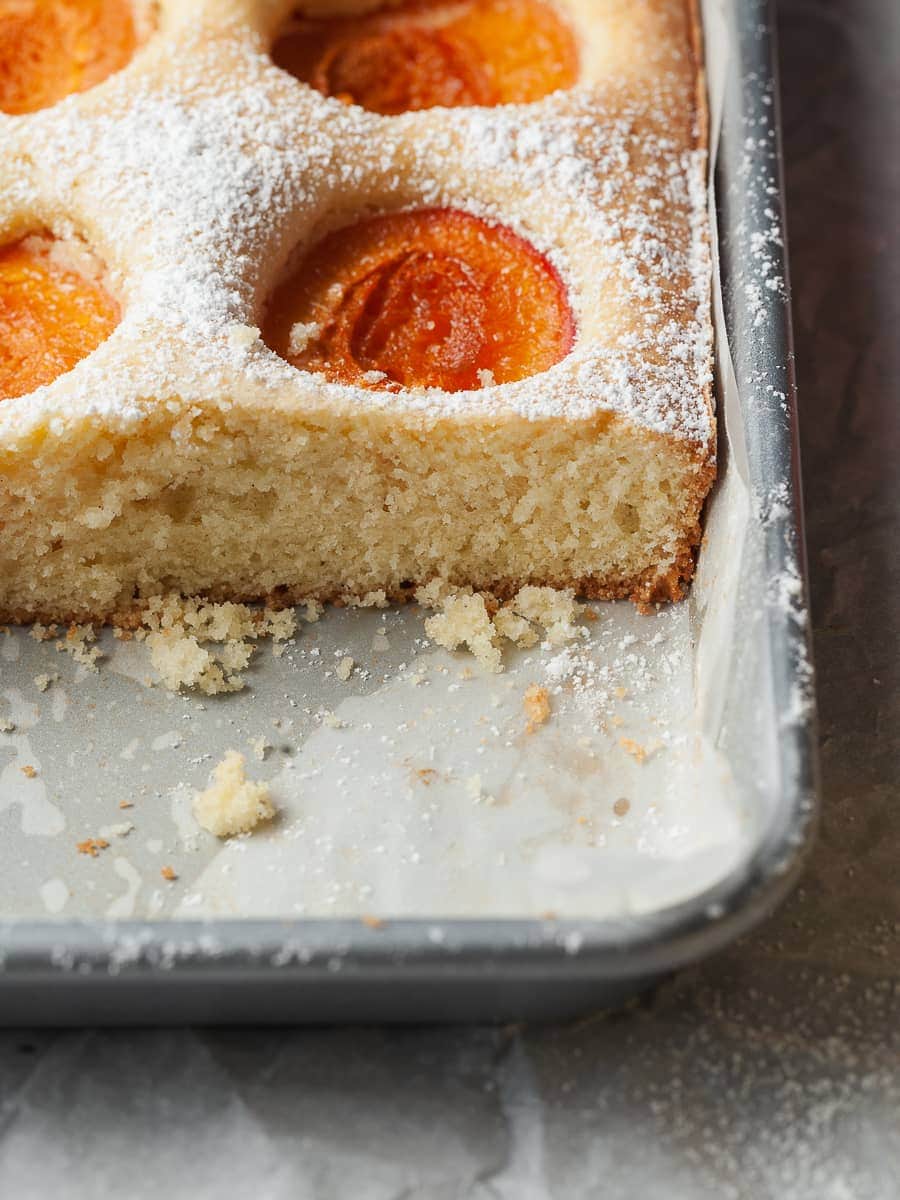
(772, 1070)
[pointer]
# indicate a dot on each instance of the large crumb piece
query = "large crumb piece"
(536, 703)
(464, 621)
(183, 663)
(515, 628)
(232, 803)
(552, 609)
(195, 644)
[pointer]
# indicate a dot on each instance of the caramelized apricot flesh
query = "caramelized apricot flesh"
(434, 298)
(51, 48)
(51, 315)
(426, 53)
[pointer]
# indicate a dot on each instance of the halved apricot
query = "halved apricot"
(432, 298)
(434, 52)
(51, 48)
(51, 315)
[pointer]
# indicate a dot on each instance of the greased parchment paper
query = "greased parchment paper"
(414, 787)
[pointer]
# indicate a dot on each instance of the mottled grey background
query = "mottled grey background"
(771, 1071)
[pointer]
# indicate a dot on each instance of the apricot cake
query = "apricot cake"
(303, 301)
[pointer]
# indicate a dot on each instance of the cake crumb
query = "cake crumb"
(464, 621)
(376, 599)
(126, 804)
(120, 830)
(42, 682)
(344, 669)
(312, 610)
(537, 706)
(621, 806)
(259, 746)
(197, 645)
(475, 790)
(168, 873)
(477, 621)
(43, 633)
(301, 334)
(29, 771)
(372, 922)
(553, 609)
(91, 846)
(242, 337)
(635, 749)
(232, 803)
(7, 726)
(79, 642)
(515, 629)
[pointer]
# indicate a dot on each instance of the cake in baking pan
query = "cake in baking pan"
(313, 300)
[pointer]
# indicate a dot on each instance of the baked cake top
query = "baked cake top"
(196, 172)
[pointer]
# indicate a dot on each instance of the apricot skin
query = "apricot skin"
(434, 298)
(52, 48)
(50, 316)
(426, 53)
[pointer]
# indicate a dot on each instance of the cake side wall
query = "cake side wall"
(248, 504)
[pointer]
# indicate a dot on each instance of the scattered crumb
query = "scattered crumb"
(332, 721)
(91, 846)
(168, 873)
(476, 619)
(43, 633)
(427, 775)
(474, 788)
(300, 336)
(29, 771)
(194, 644)
(464, 621)
(232, 803)
(183, 663)
(376, 599)
(536, 703)
(312, 610)
(635, 749)
(79, 642)
(516, 629)
(126, 804)
(372, 922)
(122, 829)
(42, 682)
(553, 609)
(344, 669)
(259, 746)
(621, 806)
(7, 726)
(241, 337)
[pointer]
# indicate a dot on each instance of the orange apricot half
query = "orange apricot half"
(433, 298)
(426, 53)
(51, 315)
(51, 48)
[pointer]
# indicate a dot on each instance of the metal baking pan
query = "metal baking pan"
(378, 898)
